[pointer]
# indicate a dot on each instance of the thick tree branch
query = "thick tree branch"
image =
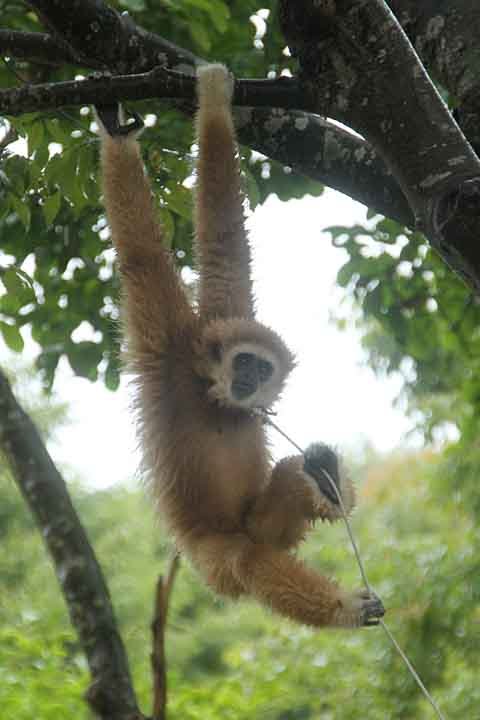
(111, 694)
(96, 32)
(36, 47)
(445, 34)
(342, 160)
(363, 71)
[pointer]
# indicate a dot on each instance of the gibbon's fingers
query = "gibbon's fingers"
(110, 120)
(222, 251)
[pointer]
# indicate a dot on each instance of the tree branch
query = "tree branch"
(94, 31)
(445, 34)
(36, 47)
(360, 68)
(111, 694)
(342, 161)
(157, 83)
(159, 624)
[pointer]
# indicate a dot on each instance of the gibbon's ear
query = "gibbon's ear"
(111, 121)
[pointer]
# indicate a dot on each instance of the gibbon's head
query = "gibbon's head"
(246, 363)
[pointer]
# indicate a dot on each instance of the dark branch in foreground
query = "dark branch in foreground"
(111, 695)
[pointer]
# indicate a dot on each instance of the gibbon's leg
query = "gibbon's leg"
(298, 494)
(154, 301)
(281, 582)
(223, 254)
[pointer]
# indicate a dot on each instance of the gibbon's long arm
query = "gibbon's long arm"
(223, 254)
(154, 302)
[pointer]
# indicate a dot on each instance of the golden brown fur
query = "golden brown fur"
(236, 519)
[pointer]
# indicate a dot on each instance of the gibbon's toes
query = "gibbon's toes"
(320, 463)
(111, 118)
(371, 608)
(373, 611)
(360, 609)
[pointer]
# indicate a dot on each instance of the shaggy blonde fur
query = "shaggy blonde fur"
(237, 520)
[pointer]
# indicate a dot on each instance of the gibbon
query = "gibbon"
(200, 373)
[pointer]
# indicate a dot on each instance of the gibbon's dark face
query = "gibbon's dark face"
(245, 363)
(249, 371)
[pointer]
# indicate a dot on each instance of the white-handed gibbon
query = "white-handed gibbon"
(200, 372)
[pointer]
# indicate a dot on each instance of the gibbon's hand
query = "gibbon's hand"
(317, 459)
(111, 119)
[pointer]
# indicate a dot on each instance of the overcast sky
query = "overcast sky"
(331, 396)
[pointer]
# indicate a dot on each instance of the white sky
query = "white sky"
(330, 397)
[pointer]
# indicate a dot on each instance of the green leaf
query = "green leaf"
(22, 210)
(12, 337)
(36, 134)
(51, 206)
(168, 227)
(12, 281)
(112, 376)
(84, 358)
(200, 35)
(180, 201)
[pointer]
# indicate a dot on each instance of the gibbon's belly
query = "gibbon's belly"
(216, 479)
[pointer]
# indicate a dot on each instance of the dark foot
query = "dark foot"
(372, 609)
(318, 461)
(111, 118)
(360, 609)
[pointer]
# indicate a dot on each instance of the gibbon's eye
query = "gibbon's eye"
(265, 370)
(242, 361)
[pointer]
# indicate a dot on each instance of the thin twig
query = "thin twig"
(158, 657)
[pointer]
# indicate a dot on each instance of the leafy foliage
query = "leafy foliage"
(418, 318)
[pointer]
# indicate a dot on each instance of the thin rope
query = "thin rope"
(267, 419)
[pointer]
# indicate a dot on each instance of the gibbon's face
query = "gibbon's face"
(246, 373)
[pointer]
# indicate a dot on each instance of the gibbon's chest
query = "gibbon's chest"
(231, 466)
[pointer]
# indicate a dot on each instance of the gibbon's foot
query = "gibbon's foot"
(111, 117)
(360, 609)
